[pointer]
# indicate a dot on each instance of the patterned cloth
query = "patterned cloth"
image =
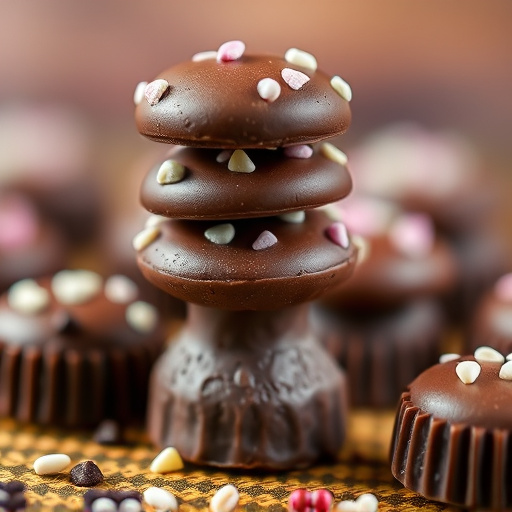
(363, 467)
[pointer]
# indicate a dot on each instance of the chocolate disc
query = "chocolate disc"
(209, 190)
(217, 104)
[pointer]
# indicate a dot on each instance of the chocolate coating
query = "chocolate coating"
(210, 191)
(216, 104)
(298, 268)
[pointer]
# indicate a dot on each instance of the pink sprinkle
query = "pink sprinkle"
(503, 288)
(295, 79)
(155, 90)
(18, 223)
(232, 50)
(338, 233)
(321, 500)
(413, 234)
(299, 500)
(299, 151)
(265, 240)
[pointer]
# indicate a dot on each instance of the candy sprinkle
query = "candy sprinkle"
(141, 316)
(265, 240)
(220, 234)
(506, 371)
(26, 296)
(331, 152)
(240, 162)
(503, 288)
(145, 238)
(51, 463)
(120, 289)
(76, 286)
(468, 371)
(295, 79)
(225, 499)
(338, 233)
(199, 57)
(170, 172)
(139, 93)
(300, 58)
(488, 355)
(166, 461)
(268, 89)
(298, 151)
(445, 358)
(155, 90)
(294, 217)
(413, 235)
(232, 50)
(341, 87)
(223, 156)
(160, 499)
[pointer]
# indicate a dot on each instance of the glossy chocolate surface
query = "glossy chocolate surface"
(216, 104)
(278, 184)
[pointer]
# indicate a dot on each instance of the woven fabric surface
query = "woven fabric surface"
(362, 467)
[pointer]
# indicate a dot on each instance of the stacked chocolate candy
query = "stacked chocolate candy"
(236, 234)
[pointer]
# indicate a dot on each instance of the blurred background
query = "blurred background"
(69, 69)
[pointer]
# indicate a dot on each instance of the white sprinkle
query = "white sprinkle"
(333, 153)
(509, 357)
(198, 57)
(367, 503)
(363, 247)
(52, 463)
(301, 58)
(220, 234)
(166, 461)
(229, 51)
(444, 358)
(130, 505)
(506, 371)
(332, 211)
(27, 297)
(347, 506)
(104, 504)
(145, 238)
(341, 87)
(120, 289)
(170, 172)
(295, 79)
(4, 496)
(240, 162)
(488, 355)
(225, 499)
(468, 371)
(268, 89)
(141, 316)
(224, 156)
(76, 286)
(265, 239)
(298, 151)
(160, 499)
(138, 95)
(294, 217)
(155, 90)
(154, 220)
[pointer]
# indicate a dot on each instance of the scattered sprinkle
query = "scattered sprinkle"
(338, 233)
(145, 238)
(160, 499)
(413, 235)
(120, 289)
(108, 432)
(139, 93)
(225, 499)
(332, 211)
(503, 288)
(445, 358)
(210, 54)
(141, 316)
(86, 474)
(232, 50)
(166, 461)
(331, 152)
(295, 79)
(104, 504)
(488, 355)
(240, 162)
(170, 172)
(123, 501)
(154, 220)
(76, 286)
(347, 506)
(224, 156)
(509, 357)
(321, 500)
(299, 151)
(130, 505)
(220, 234)
(265, 239)
(363, 247)
(365, 503)
(294, 217)
(506, 371)
(468, 371)
(341, 87)
(300, 58)
(155, 90)
(268, 89)
(27, 297)
(299, 501)
(51, 463)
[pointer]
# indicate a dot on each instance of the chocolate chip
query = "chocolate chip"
(86, 474)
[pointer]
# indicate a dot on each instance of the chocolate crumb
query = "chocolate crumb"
(86, 474)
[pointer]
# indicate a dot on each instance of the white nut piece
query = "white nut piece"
(145, 238)
(160, 499)
(141, 316)
(130, 505)
(220, 234)
(240, 162)
(506, 371)
(170, 172)
(294, 217)
(225, 499)
(331, 152)
(120, 289)
(367, 503)
(488, 355)
(301, 58)
(155, 90)
(347, 506)
(268, 89)
(138, 94)
(444, 358)
(341, 87)
(76, 286)
(51, 463)
(468, 371)
(207, 55)
(104, 504)
(166, 461)
(154, 220)
(27, 297)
